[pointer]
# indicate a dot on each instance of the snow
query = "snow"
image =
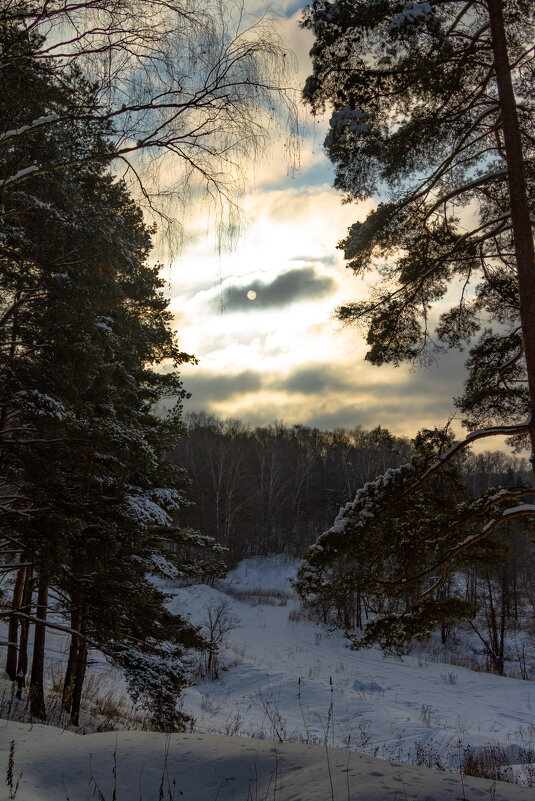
(40, 404)
(346, 121)
(524, 508)
(24, 173)
(289, 679)
(269, 574)
(146, 512)
(24, 128)
(281, 671)
(168, 498)
(412, 14)
(59, 764)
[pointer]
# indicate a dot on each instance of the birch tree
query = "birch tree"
(189, 92)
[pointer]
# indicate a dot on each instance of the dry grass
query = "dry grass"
(494, 762)
(103, 707)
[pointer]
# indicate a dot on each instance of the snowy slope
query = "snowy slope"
(59, 764)
(290, 680)
(402, 710)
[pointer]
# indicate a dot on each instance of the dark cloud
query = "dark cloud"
(328, 396)
(443, 379)
(287, 288)
(316, 378)
(394, 416)
(211, 387)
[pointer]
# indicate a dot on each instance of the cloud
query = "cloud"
(289, 287)
(395, 416)
(316, 378)
(213, 387)
(328, 396)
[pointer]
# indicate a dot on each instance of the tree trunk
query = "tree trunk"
(492, 628)
(37, 696)
(520, 214)
(79, 670)
(13, 629)
(68, 684)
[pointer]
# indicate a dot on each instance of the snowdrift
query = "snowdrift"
(57, 764)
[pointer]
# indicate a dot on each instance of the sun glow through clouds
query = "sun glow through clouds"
(260, 318)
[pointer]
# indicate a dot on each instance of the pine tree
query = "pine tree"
(419, 114)
(433, 111)
(84, 328)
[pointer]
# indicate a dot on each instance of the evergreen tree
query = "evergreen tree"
(90, 494)
(433, 110)
(419, 113)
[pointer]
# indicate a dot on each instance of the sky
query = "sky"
(259, 317)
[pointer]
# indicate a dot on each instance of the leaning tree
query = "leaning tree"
(432, 113)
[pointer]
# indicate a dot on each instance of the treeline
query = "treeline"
(273, 489)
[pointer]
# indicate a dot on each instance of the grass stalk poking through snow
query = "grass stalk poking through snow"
(10, 772)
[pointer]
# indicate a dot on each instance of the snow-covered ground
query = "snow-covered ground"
(296, 689)
(295, 681)
(59, 765)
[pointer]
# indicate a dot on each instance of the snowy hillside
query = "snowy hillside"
(294, 681)
(295, 688)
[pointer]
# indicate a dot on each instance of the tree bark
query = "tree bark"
(79, 671)
(68, 684)
(37, 696)
(520, 213)
(13, 628)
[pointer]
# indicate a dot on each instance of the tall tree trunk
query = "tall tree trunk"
(79, 671)
(13, 629)
(68, 684)
(22, 663)
(520, 214)
(37, 696)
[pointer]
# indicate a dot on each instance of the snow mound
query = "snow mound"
(55, 764)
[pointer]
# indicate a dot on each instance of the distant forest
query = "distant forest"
(273, 489)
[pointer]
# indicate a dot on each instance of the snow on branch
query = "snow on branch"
(19, 176)
(394, 486)
(520, 428)
(481, 506)
(146, 512)
(38, 123)
(347, 123)
(411, 18)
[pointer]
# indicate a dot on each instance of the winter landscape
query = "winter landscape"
(314, 714)
(267, 400)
